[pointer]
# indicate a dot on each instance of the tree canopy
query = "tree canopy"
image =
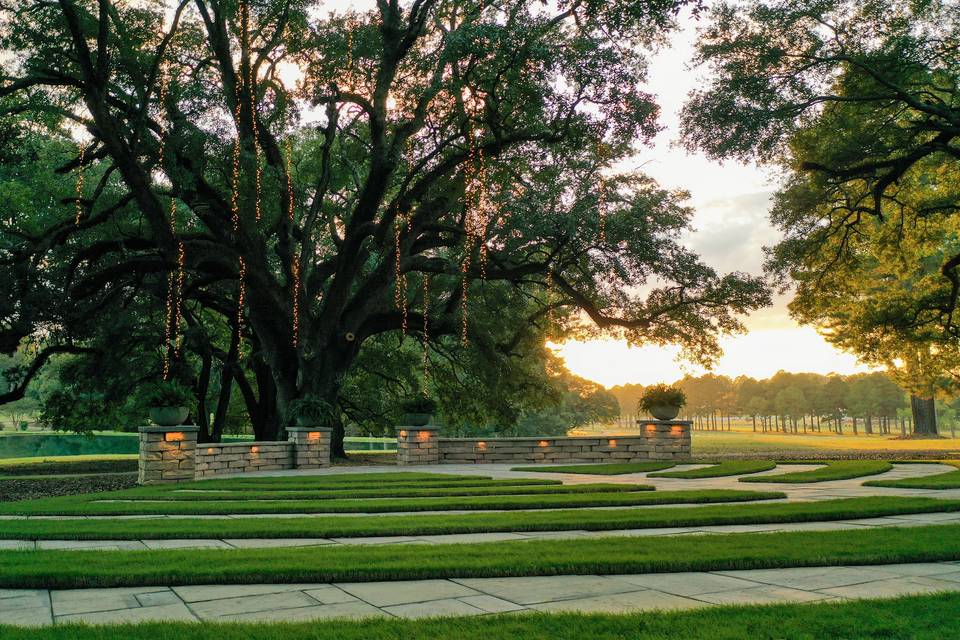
(857, 103)
(280, 189)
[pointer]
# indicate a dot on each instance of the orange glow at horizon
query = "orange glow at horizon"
(758, 354)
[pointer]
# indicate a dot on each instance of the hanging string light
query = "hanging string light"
(295, 270)
(175, 279)
(181, 278)
(550, 316)
(235, 175)
(80, 175)
(602, 207)
(400, 278)
(241, 294)
(295, 262)
(426, 334)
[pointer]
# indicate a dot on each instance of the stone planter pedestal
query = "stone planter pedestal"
(418, 445)
(311, 446)
(167, 454)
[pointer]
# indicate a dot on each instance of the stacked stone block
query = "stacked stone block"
(311, 446)
(657, 440)
(241, 457)
(418, 445)
(167, 454)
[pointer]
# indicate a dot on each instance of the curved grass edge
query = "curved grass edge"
(604, 556)
(831, 470)
(412, 525)
(720, 469)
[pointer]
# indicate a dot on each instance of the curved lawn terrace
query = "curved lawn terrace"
(326, 544)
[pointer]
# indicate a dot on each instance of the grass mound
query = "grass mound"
(82, 569)
(832, 470)
(728, 468)
(611, 469)
(946, 480)
(436, 524)
(95, 504)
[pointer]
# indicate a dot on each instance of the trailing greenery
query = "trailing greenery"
(661, 395)
(353, 563)
(431, 524)
(727, 468)
(928, 617)
(312, 411)
(90, 504)
(167, 393)
(191, 496)
(607, 469)
(946, 480)
(832, 470)
(419, 404)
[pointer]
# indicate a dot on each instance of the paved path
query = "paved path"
(422, 598)
(795, 492)
(907, 520)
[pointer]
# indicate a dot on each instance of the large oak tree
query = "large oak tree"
(324, 179)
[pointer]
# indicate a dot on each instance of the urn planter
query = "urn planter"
(417, 419)
(168, 416)
(664, 412)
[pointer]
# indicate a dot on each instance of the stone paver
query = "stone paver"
(909, 520)
(383, 594)
(474, 596)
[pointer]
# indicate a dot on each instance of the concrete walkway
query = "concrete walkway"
(906, 520)
(481, 596)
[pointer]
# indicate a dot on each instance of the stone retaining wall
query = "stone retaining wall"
(657, 440)
(171, 454)
(241, 457)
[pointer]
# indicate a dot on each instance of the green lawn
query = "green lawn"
(497, 490)
(832, 470)
(915, 617)
(87, 504)
(357, 481)
(728, 468)
(399, 525)
(351, 563)
(612, 469)
(946, 480)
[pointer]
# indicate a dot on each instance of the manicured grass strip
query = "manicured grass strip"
(946, 480)
(928, 617)
(727, 468)
(71, 506)
(81, 569)
(612, 469)
(832, 470)
(256, 494)
(558, 520)
(371, 481)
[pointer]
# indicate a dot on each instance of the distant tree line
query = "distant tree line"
(793, 402)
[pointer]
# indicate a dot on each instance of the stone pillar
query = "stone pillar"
(418, 445)
(167, 454)
(311, 446)
(670, 438)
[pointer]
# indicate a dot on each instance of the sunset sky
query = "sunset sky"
(731, 228)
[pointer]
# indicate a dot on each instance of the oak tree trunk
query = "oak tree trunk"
(924, 412)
